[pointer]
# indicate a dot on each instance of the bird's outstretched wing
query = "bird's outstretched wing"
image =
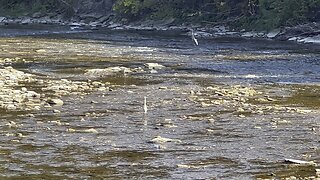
(194, 38)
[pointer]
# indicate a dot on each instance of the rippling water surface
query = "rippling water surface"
(201, 101)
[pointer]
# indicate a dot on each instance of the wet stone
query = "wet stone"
(107, 71)
(161, 140)
(57, 102)
(154, 66)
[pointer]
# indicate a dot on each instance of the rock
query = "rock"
(20, 135)
(231, 33)
(18, 99)
(249, 34)
(273, 33)
(293, 39)
(56, 102)
(154, 66)
(161, 140)
(221, 28)
(91, 130)
(2, 19)
(294, 161)
(185, 166)
(32, 94)
(56, 111)
(97, 84)
(153, 71)
(26, 21)
(71, 130)
(103, 89)
(75, 24)
(163, 87)
(114, 25)
(10, 107)
(94, 24)
(313, 39)
(12, 124)
(30, 115)
(108, 71)
(13, 99)
(41, 51)
(24, 89)
(167, 123)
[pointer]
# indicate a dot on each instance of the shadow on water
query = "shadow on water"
(307, 96)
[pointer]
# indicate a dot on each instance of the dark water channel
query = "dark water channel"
(232, 108)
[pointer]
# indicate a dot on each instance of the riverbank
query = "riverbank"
(306, 33)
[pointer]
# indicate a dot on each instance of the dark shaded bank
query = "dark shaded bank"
(243, 14)
(57, 9)
(236, 19)
(307, 33)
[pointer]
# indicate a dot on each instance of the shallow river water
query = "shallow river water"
(230, 108)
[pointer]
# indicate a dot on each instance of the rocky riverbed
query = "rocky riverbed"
(72, 107)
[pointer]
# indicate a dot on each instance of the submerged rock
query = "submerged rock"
(56, 102)
(161, 140)
(108, 71)
(300, 162)
(154, 66)
(90, 130)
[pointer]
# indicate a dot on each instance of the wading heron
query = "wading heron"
(145, 108)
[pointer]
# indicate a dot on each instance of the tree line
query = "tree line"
(15, 8)
(253, 14)
(249, 14)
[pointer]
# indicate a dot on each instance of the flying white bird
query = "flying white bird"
(194, 38)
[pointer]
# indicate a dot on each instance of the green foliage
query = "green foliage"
(249, 14)
(17, 8)
(128, 8)
(184, 10)
(276, 13)
(38, 7)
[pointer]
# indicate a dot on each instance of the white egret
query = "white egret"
(194, 38)
(145, 108)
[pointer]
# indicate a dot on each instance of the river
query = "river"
(230, 108)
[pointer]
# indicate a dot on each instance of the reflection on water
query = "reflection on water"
(228, 109)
